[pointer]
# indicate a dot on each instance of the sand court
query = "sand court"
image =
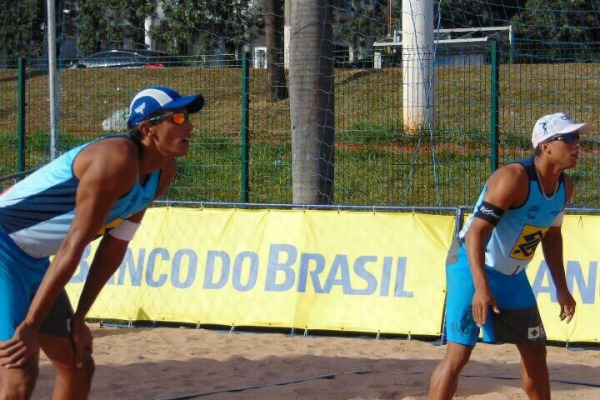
(172, 363)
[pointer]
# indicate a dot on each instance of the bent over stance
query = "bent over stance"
(100, 187)
(520, 206)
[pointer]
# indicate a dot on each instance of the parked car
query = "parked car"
(137, 58)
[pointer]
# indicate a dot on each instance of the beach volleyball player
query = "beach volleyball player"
(521, 206)
(101, 188)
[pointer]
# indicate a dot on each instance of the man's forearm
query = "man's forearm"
(108, 257)
(476, 258)
(57, 276)
(553, 254)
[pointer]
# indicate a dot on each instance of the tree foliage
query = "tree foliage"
(565, 28)
(362, 22)
(23, 27)
(542, 27)
(178, 28)
(207, 21)
(181, 23)
(475, 13)
(105, 24)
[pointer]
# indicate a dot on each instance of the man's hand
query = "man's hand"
(482, 301)
(81, 336)
(24, 344)
(567, 304)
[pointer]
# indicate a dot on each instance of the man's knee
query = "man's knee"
(83, 374)
(533, 356)
(457, 355)
(18, 383)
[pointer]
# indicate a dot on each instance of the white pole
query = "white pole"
(286, 33)
(149, 22)
(417, 63)
(52, 83)
(511, 43)
(148, 42)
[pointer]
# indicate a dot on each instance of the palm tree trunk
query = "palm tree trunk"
(312, 102)
(274, 21)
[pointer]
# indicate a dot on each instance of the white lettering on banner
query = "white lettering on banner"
(586, 286)
(286, 269)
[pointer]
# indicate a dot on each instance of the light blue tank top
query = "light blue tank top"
(37, 212)
(512, 243)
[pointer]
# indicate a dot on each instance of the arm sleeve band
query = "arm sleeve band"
(489, 212)
(125, 231)
(559, 219)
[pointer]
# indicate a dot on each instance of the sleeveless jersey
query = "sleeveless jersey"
(512, 243)
(37, 212)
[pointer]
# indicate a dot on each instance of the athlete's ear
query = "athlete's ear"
(146, 129)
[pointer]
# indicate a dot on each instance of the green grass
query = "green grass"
(376, 162)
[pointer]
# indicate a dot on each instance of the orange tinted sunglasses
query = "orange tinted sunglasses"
(178, 118)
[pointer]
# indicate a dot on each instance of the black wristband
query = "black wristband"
(489, 212)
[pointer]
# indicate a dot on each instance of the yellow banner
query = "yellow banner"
(581, 242)
(316, 270)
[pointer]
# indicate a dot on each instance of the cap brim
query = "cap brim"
(582, 128)
(192, 103)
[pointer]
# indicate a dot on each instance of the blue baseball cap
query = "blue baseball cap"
(156, 98)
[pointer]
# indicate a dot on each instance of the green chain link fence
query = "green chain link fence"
(376, 162)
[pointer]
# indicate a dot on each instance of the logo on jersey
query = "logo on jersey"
(528, 241)
(532, 211)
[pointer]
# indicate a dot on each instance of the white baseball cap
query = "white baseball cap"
(554, 124)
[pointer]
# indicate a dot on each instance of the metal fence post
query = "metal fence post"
(21, 115)
(245, 126)
(495, 89)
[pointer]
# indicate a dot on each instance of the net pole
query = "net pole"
(21, 118)
(245, 125)
(417, 63)
(52, 79)
(495, 92)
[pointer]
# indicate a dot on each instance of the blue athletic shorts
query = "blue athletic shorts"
(519, 320)
(20, 277)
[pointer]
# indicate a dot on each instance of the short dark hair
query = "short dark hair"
(135, 131)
